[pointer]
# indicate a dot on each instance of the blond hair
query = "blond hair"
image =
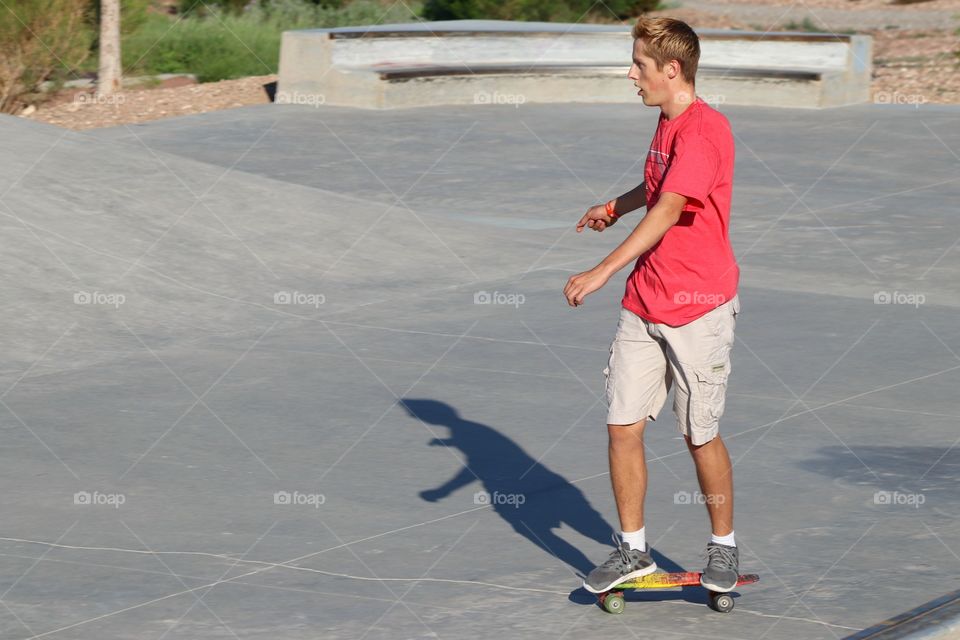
(666, 39)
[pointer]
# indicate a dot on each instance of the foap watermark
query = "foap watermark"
(495, 498)
(115, 99)
(699, 297)
(899, 499)
(895, 97)
(298, 499)
(99, 297)
(485, 97)
(714, 98)
(685, 497)
(499, 297)
(709, 98)
(299, 298)
(97, 499)
(295, 97)
(911, 298)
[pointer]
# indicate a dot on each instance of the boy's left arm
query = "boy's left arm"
(647, 233)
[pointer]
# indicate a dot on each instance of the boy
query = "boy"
(677, 321)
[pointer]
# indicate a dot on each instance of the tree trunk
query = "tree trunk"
(109, 75)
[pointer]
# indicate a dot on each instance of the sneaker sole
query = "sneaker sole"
(717, 588)
(639, 573)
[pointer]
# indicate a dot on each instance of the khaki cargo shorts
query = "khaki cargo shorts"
(647, 359)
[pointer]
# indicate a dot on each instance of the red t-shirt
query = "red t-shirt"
(692, 270)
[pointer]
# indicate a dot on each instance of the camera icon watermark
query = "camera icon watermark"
(298, 499)
(913, 299)
(495, 498)
(115, 99)
(485, 97)
(299, 298)
(895, 97)
(295, 97)
(100, 298)
(499, 297)
(97, 499)
(698, 297)
(898, 498)
(685, 497)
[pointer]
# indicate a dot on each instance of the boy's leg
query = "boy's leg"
(636, 389)
(637, 385)
(628, 475)
(715, 475)
(628, 472)
(699, 355)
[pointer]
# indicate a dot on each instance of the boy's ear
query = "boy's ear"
(673, 69)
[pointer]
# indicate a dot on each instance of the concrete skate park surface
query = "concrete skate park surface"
(261, 366)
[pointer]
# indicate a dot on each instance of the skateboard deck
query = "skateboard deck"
(612, 600)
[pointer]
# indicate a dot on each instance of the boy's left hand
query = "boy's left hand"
(581, 285)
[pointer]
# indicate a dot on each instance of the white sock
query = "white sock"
(726, 540)
(635, 539)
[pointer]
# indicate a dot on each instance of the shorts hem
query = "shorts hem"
(700, 436)
(643, 416)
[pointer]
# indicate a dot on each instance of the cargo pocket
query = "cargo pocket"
(608, 385)
(710, 394)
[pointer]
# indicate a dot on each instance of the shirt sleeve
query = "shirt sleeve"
(693, 170)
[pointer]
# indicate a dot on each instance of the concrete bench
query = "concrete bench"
(482, 62)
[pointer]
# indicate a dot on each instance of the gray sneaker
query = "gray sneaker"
(623, 564)
(723, 565)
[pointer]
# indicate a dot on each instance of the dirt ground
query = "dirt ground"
(911, 5)
(81, 109)
(924, 64)
(910, 66)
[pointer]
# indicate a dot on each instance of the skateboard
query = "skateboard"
(612, 600)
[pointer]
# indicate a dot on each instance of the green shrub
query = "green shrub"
(628, 8)
(222, 45)
(39, 40)
(534, 10)
(237, 6)
(807, 25)
(202, 8)
(212, 47)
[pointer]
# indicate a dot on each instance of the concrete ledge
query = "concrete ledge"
(459, 62)
(401, 73)
(938, 619)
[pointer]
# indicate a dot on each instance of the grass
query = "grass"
(220, 46)
(902, 61)
(809, 26)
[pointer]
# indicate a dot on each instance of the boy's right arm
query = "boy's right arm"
(596, 217)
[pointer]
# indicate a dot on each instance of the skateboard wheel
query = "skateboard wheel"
(722, 602)
(612, 603)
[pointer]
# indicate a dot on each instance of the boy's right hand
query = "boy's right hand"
(596, 218)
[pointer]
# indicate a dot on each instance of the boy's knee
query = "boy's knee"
(626, 435)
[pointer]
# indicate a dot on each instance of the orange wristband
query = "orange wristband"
(610, 212)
